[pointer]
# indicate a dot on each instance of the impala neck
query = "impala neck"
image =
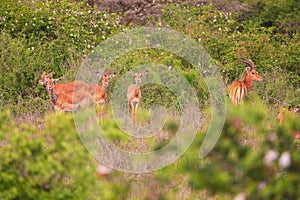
(52, 96)
(137, 85)
(248, 82)
(105, 85)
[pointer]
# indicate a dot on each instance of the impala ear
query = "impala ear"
(131, 73)
(248, 69)
(56, 80)
(144, 73)
(111, 75)
(42, 82)
(51, 74)
(98, 74)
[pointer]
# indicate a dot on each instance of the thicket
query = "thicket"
(57, 35)
(50, 163)
(274, 50)
(254, 157)
(45, 35)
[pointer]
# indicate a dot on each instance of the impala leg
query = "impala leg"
(97, 107)
(102, 113)
(131, 108)
(103, 110)
(129, 105)
(135, 110)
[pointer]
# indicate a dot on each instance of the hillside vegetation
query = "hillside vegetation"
(41, 155)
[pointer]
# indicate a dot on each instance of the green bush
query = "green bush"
(223, 34)
(43, 164)
(50, 163)
(46, 35)
(238, 164)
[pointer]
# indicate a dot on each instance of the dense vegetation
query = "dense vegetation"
(41, 156)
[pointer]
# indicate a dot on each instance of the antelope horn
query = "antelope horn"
(250, 63)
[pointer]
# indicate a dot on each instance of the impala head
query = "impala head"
(281, 115)
(138, 76)
(253, 74)
(106, 78)
(50, 83)
(45, 77)
(250, 71)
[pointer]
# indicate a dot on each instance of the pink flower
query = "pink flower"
(285, 160)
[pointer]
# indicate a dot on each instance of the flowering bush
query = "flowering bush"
(46, 35)
(223, 34)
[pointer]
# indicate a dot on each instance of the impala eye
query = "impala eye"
(253, 73)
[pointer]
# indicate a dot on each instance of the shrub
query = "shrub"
(46, 35)
(50, 163)
(223, 34)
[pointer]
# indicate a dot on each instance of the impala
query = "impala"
(62, 87)
(98, 93)
(239, 89)
(45, 76)
(283, 113)
(134, 93)
(67, 101)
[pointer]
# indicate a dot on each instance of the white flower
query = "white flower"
(285, 160)
(270, 156)
(241, 196)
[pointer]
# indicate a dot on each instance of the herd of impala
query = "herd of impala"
(70, 96)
